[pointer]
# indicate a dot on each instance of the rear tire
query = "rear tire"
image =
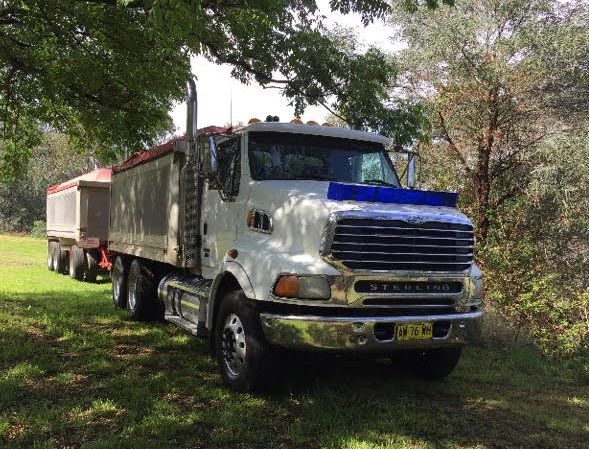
(50, 252)
(90, 265)
(141, 295)
(430, 364)
(62, 259)
(118, 277)
(77, 263)
(243, 356)
(55, 257)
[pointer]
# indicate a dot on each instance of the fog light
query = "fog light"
(303, 287)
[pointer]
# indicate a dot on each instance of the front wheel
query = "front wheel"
(243, 357)
(431, 364)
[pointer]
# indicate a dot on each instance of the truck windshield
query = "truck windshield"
(301, 156)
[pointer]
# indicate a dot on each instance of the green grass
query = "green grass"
(75, 373)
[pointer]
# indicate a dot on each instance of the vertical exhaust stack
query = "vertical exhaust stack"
(191, 103)
(192, 184)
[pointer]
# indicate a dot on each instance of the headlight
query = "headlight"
(303, 287)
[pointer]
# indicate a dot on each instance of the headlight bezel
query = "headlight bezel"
(309, 287)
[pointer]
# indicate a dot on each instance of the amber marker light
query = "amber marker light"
(232, 253)
(250, 219)
(287, 286)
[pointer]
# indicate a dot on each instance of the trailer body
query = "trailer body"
(145, 216)
(78, 223)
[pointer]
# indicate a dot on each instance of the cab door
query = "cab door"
(223, 204)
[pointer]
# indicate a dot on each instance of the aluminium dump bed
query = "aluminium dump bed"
(78, 209)
(146, 213)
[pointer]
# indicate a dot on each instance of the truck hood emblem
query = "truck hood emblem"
(414, 219)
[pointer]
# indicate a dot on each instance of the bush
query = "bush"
(38, 229)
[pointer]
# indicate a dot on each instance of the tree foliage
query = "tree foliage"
(482, 67)
(108, 71)
(503, 82)
(22, 200)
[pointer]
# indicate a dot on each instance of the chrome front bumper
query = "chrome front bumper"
(366, 334)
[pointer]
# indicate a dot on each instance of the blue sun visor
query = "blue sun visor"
(380, 194)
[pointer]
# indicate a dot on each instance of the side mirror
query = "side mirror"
(411, 170)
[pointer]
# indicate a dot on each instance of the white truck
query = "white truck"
(292, 236)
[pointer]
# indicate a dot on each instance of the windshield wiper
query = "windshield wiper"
(313, 178)
(378, 181)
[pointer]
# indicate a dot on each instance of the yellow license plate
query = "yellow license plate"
(414, 331)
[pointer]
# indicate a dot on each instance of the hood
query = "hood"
(300, 210)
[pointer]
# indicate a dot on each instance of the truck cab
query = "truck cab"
(277, 237)
(309, 242)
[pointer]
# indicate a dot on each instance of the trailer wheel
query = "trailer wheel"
(90, 265)
(56, 257)
(118, 277)
(431, 364)
(50, 254)
(77, 263)
(242, 354)
(140, 293)
(61, 257)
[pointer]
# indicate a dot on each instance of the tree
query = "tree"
(22, 201)
(482, 67)
(107, 71)
(504, 83)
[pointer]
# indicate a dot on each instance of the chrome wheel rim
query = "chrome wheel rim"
(233, 345)
(56, 260)
(133, 294)
(116, 282)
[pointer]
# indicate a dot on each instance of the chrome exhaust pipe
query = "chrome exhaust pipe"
(191, 111)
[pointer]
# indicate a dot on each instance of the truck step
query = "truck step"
(181, 322)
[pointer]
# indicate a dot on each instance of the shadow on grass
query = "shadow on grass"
(75, 373)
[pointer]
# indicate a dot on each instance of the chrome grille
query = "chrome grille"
(379, 244)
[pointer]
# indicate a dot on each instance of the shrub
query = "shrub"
(38, 229)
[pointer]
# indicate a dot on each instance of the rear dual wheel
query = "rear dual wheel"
(83, 264)
(142, 303)
(50, 254)
(57, 258)
(118, 276)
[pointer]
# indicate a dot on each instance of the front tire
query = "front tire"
(430, 364)
(118, 277)
(242, 354)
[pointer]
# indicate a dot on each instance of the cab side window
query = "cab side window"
(229, 154)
